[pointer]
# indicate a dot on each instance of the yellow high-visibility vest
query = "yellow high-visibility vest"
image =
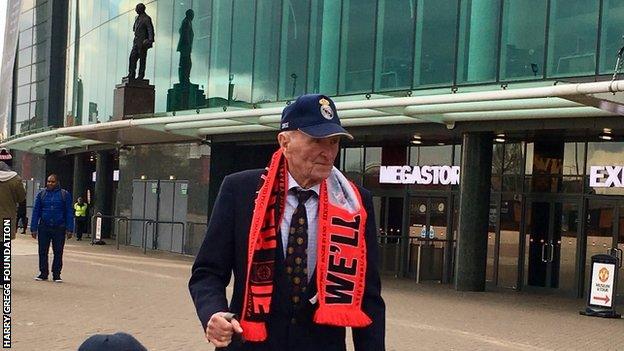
(81, 211)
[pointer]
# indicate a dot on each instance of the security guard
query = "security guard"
(80, 214)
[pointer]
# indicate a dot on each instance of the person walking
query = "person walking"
(80, 214)
(52, 220)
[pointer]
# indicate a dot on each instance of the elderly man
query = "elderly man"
(300, 239)
(52, 220)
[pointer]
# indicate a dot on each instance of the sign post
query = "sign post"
(602, 287)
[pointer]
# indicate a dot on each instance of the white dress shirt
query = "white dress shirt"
(312, 214)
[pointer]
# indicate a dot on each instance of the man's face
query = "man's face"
(310, 160)
(80, 200)
(51, 183)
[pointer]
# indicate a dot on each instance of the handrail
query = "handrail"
(161, 222)
(93, 223)
(128, 220)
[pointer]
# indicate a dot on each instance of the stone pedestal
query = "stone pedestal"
(133, 97)
(185, 96)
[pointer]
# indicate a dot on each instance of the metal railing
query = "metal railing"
(153, 224)
(127, 227)
(94, 223)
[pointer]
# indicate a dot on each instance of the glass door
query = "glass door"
(428, 237)
(605, 234)
(551, 233)
(389, 218)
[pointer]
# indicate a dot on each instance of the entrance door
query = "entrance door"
(551, 233)
(389, 218)
(604, 226)
(428, 237)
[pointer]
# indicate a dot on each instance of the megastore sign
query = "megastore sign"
(606, 177)
(423, 175)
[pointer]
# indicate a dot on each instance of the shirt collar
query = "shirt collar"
(292, 184)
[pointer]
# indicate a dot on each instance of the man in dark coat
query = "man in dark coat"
(143, 40)
(286, 314)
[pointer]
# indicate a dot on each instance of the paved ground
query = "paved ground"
(106, 290)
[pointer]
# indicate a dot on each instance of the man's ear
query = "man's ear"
(283, 140)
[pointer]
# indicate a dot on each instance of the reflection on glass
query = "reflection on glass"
(371, 167)
(572, 37)
(357, 46)
(510, 217)
(324, 47)
(620, 246)
(266, 56)
(219, 75)
(394, 47)
(491, 247)
(434, 54)
(353, 163)
(611, 34)
(565, 237)
(478, 41)
(294, 48)
(417, 228)
(242, 52)
(599, 231)
(524, 27)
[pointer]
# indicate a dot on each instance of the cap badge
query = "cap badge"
(326, 110)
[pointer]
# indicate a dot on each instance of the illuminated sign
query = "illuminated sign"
(424, 175)
(606, 177)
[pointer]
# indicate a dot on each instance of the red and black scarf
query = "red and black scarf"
(341, 252)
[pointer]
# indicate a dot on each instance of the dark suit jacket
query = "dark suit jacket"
(143, 30)
(224, 251)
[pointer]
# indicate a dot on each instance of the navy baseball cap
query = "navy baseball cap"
(314, 115)
(112, 342)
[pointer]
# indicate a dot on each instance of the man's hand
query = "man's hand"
(34, 235)
(219, 331)
(69, 234)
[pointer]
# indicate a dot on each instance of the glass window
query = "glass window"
(219, 75)
(512, 167)
(599, 157)
(23, 75)
(371, 167)
(165, 58)
(33, 91)
(294, 48)
(42, 13)
(478, 41)
(201, 44)
(434, 55)
(23, 94)
(431, 155)
(24, 57)
(268, 21)
(41, 51)
(395, 44)
(27, 4)
(353, 161)
(324, 47)
(242, 49)
(40, 33)
(611, 34)
(572, 37)
(524, 33)
(357, 46)
(25, 38)
(26, 20)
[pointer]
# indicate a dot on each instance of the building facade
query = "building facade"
(486, 168)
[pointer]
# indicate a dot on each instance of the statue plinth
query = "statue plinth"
(133, 97)
(185, 96)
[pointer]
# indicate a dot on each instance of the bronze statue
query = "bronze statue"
(143, 40)
(185, 46)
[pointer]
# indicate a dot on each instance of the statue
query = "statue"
(143, 40)
(185, 46)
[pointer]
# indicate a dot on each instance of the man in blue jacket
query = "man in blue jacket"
(52, 221)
